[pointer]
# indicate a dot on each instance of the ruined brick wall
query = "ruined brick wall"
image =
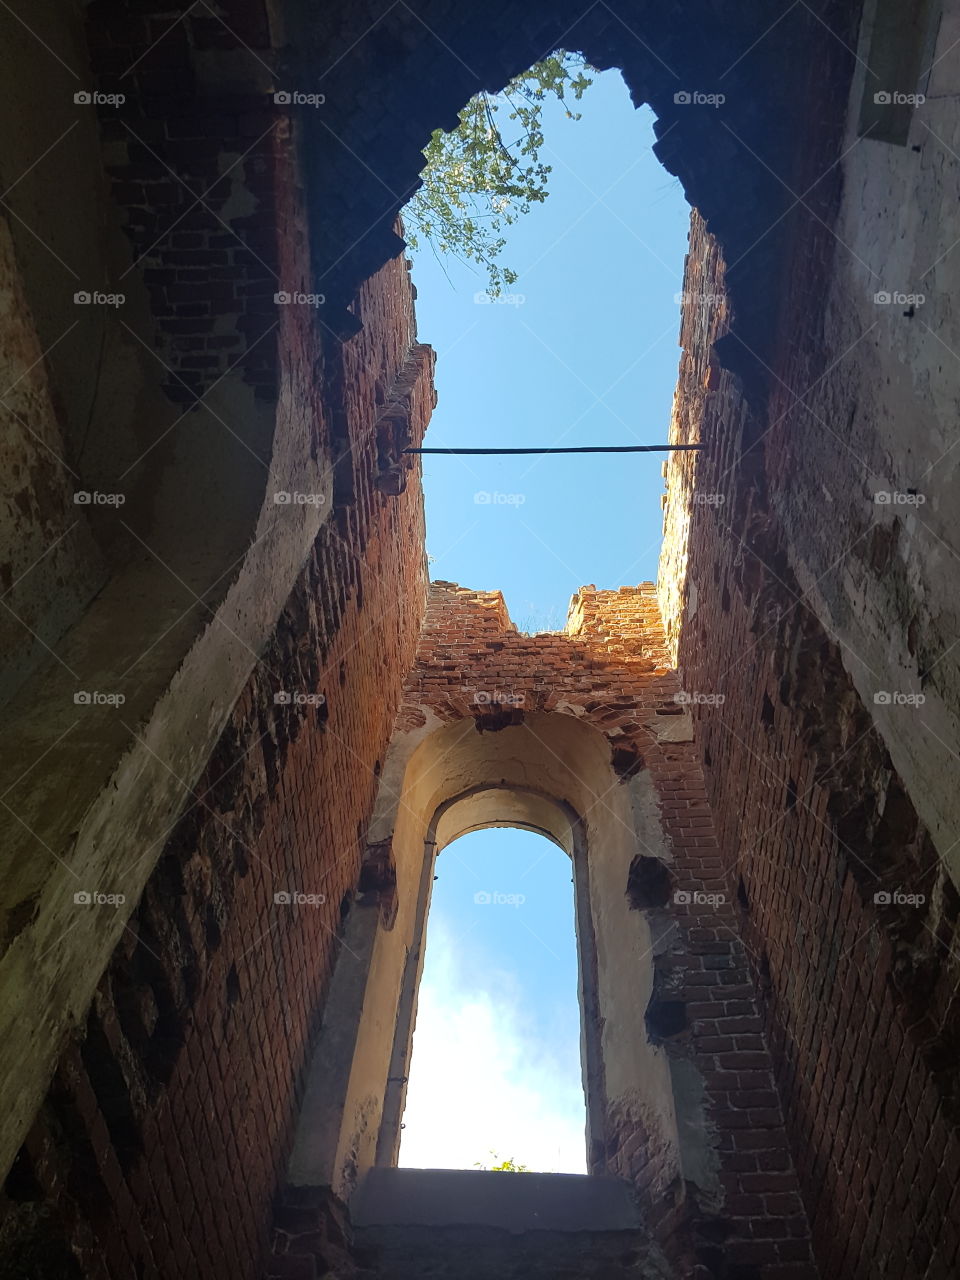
(166, 1131)
(849, 915)
(191, 154)
(391, 75)
(813, 820)
(610, 669)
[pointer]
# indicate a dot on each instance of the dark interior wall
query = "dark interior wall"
(166, 1131)
(790, 580)
(66, 367)
(216, 418)
(849, 914)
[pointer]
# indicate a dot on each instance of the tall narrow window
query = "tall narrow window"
(495, 1073)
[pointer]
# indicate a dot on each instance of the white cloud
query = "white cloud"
(479, 1081)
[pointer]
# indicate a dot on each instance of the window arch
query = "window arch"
(554, 774)
(475, 809)
(495, 1063)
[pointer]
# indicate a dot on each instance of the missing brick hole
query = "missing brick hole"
(666, 1019)
(712, 1258)
(19, 918)
(233, 987)
(492, 721)
(716, 1230)
(743, 899)
(240, 860)
(211, 927)
(649, 883)
(626, 761)
(766, 712)
(791, 800)
(21, 1183)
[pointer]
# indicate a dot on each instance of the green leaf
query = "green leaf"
(476, 182)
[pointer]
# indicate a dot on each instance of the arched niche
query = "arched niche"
(551, 774)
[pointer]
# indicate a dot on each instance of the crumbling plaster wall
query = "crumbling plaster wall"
(164, 1135)
(174, 495)
(62, 362)
(557, 758)
(160, 606)
(792, 598)
(881, 572)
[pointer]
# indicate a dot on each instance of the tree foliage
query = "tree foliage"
(509, 1165)
(486, 173)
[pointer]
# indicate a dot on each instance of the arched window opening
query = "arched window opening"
(495, 1071)
(441, 785)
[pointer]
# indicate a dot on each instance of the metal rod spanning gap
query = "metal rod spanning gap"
(586, 448)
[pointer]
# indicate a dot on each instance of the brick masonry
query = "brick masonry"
(610, 669)
(168, 1125)
(163, 1138)
(197, 153)
(366, 56)
(824, 851)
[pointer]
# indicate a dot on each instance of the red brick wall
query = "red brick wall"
(613, 666)
(193, 153)
(858, 997)
(166, 1132)
(184, 1085)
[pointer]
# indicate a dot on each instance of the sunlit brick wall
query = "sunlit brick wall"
(610, 669)
(165, 1134)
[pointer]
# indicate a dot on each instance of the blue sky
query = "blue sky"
(496, 1051)
(589, 357)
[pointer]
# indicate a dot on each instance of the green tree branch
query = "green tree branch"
(475, 183)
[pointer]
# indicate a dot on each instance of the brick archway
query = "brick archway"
(553, 774)
(578, 735)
